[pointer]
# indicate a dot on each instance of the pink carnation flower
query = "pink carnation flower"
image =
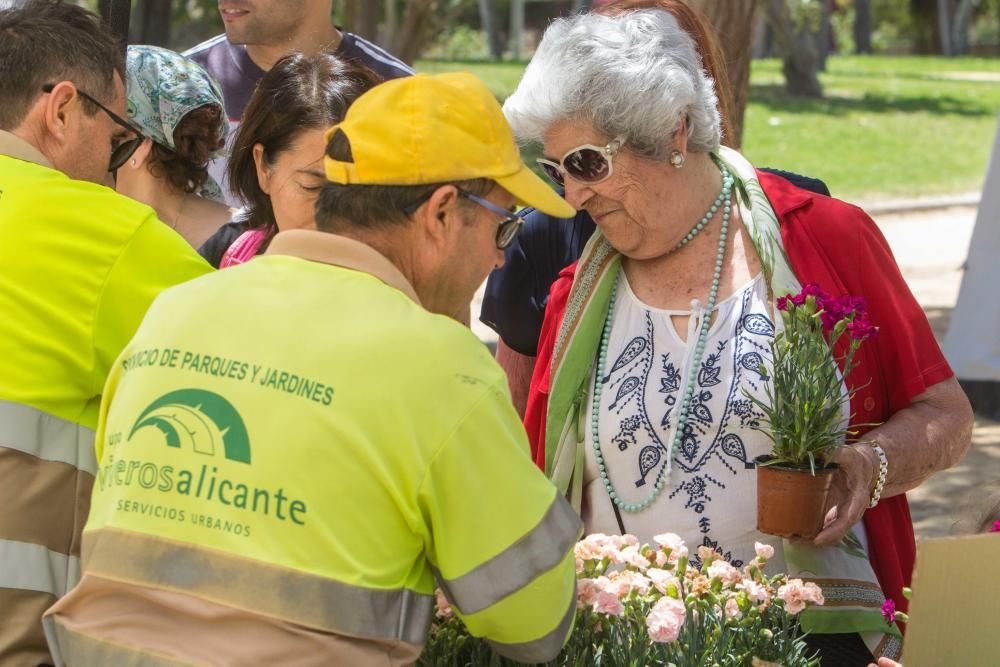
(661, 579)
(665, 620)
(586, 592)
(724, 571)
(622, 541)
(591, 547)
(624, 582)
(606, 602)
(755, 591)
(733, 608)
(673, 542)
(796, 595)
(707, 554)
(444, 609)
(814, 593)
(764, 551)
(630, 556)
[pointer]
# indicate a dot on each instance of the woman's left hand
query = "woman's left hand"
(850, 493)
(932, 433)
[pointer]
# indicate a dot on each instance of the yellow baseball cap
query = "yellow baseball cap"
(421, 129)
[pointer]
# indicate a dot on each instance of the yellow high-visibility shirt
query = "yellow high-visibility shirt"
(79, 266)
(307, 442)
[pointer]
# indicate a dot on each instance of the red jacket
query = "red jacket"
(839, 247)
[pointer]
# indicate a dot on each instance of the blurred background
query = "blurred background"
(864, 94)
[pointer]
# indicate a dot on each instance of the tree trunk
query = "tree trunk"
(156, 16)
(412, 33)
(863, 26)
(960, 26)
(733, 21)
(391, 22)
(352, 13)
(488, 22)
(368, 20)
(516, 28)
(824, 39)
(116, 14)
(797, 46)
(927, 26)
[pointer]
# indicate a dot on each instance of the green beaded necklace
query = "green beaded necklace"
(721, 201)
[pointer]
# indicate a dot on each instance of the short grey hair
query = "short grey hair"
(633, 75)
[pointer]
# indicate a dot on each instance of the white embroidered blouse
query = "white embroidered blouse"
(710, 493)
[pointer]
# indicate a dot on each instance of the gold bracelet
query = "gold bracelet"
(883, 470)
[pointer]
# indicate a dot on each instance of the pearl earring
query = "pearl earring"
(133, 162)
(677, 159)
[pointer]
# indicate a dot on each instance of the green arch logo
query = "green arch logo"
(200, 420)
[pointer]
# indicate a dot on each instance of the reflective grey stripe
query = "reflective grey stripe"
(46, 436)
(544, 547)
(395, 614)
(32, 567)
(540, 650)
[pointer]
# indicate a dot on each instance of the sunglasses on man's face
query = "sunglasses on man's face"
(121, 150)
(510, 224)
(587, 164)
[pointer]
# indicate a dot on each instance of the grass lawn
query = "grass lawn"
(897, 127)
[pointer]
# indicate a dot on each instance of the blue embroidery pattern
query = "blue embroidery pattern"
(718, 414)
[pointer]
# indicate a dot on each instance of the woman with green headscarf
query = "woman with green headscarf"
(177, 107)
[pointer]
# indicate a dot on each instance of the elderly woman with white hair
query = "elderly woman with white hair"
(638, 408)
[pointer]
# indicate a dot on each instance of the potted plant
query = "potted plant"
(804, 408)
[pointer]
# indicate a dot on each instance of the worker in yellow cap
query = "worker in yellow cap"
(296, 452)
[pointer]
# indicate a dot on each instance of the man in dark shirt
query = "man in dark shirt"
(261, 32)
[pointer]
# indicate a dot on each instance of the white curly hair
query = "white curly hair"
(634, 75)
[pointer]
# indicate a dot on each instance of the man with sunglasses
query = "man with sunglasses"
(79, 265)
(385, 423)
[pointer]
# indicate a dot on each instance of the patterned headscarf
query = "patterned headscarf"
(161, 88)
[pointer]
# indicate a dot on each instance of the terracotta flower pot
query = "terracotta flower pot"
(791, 502)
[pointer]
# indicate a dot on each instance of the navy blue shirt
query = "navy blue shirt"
(238, 74)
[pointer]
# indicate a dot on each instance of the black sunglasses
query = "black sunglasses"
(121, 151)
(510, 225)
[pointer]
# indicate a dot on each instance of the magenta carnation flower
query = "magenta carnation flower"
(889, 610)
(812, 289)
(861, 328)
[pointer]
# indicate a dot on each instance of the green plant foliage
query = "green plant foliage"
(804, 400)
(460, 43)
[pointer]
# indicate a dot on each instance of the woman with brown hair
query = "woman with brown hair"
(276, 166)
(177, 110)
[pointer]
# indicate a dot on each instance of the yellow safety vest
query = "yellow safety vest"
(79, 265)
(305, 442)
